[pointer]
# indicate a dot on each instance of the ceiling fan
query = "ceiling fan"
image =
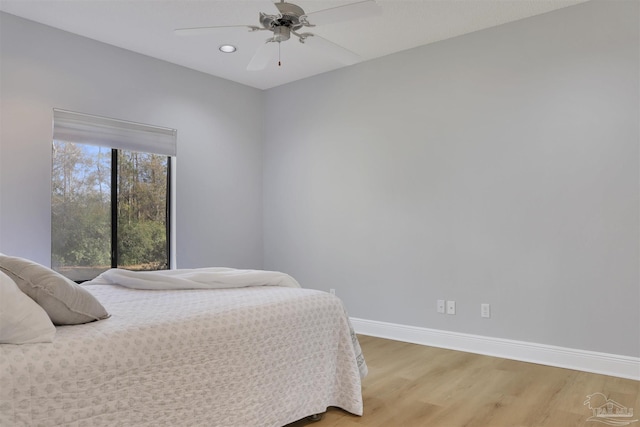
(288, 20)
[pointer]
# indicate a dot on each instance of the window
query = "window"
(111, 192)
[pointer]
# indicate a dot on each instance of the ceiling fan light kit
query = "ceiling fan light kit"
(290, 19)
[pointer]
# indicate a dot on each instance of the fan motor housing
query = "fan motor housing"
(290, 18)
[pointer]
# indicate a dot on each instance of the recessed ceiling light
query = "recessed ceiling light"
(227, 48)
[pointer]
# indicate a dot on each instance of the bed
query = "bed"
(249, 356)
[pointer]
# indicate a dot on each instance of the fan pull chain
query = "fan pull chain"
(279, 63)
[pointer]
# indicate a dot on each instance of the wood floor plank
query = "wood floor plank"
(411, 385)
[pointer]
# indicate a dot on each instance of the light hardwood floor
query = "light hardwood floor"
(412, 385)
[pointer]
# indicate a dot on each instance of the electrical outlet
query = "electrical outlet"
(485, 310)
(451, 307)
(332, 291)
(440, 306)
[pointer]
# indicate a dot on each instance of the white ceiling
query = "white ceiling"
(146, 27)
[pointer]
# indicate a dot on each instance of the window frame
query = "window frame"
(120, 135)
(114, 211)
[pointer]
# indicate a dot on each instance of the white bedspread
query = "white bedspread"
(245, 357)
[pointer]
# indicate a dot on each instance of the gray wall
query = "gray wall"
(219, 162)
(499, 167)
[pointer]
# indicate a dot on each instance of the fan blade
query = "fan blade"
(210, 30)
(347, 12)
(332, 50)
(262, 57)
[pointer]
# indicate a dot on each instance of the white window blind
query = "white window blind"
(83, 128)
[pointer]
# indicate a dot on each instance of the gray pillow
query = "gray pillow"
(66, 302)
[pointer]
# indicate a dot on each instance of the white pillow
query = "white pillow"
(22, 320)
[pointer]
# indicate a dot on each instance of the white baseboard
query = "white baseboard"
(581, 360)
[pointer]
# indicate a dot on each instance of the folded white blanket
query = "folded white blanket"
(194, 278)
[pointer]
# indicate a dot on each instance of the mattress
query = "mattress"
(246, 357)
